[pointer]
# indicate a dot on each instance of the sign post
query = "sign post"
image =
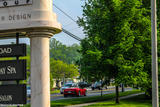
(36, 20)
(12, 94)
(13, 50)
(13, 70)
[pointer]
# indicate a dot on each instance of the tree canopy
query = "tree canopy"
(67, 54)
(60, 70)
(118, 41)
(63, 60)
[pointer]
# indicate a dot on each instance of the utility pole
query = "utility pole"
(155, 96)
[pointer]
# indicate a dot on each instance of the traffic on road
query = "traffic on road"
(89, 93)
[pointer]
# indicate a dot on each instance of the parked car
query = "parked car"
(75, 91)
(100, 85)
(96, 85)
(65, 86)
(84, 84)
(28, 92)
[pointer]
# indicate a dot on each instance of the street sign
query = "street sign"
(7, 3)
(12, 94)
(13, 70)
(13, 50)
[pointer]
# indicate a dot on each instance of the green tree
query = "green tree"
(116, 36)
(60, 70)
(92, 62)
(57, 50)
(67, 54)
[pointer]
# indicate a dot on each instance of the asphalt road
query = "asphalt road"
(89, 94)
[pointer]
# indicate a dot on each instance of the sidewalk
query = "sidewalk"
(86, 104)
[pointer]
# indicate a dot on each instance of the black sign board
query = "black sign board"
(13, 94)
(13, 70)
(13, 50)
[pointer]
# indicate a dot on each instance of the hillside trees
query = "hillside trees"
(118, 38)
(60, 70)
(67, 54)
(62, 61)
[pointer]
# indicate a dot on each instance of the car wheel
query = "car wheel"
(85, 94)
(92, 88)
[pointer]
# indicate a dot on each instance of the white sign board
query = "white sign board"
(23, 15)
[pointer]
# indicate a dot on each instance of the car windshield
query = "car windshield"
(68, 85)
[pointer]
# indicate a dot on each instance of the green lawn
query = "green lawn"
(55, 91)
(138, 101)
(65, 102)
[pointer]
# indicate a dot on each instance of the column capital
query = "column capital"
(40, 32)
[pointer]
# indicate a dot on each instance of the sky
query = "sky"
(73, 9)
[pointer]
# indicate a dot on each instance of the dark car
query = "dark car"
(84, 84)
(100, 85)
(96, 85)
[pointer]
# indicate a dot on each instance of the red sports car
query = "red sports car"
(75, 91)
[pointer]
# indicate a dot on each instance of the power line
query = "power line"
(68, 24)
(64, 13)
(72, 35)
(75, 28)
(64, 30)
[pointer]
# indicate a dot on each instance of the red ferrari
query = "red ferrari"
(75, 92)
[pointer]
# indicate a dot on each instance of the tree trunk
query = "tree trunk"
(123, 89)
(57, 84)
(101, 88)
(101, 92)
(117, 95)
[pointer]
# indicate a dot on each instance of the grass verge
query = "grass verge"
(137, 101)
(55, 91)
(66, 102)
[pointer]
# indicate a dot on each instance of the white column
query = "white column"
(40, 69)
